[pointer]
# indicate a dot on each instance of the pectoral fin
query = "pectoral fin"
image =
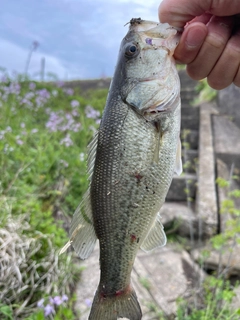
(156, 236)
(178, 166)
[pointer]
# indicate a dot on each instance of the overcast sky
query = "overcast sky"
(79, 38)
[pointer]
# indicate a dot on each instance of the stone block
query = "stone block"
(206, 202)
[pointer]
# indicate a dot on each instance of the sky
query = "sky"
(79, 39)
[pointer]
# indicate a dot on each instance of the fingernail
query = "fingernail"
(195, 37)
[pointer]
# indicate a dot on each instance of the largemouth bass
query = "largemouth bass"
(131, 163)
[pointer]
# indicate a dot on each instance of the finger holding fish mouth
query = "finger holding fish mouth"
(210, 43)
(208, 49)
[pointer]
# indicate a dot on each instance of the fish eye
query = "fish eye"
(131, 51)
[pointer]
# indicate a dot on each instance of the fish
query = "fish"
(131, 163)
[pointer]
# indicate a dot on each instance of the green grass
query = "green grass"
(44, 132)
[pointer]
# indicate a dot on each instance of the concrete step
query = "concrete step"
(206, 202)
(182, 187)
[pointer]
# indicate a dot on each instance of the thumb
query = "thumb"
(178, 12)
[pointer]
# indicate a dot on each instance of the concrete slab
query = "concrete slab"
(206, 202)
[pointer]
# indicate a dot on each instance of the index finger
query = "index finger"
(178, 12)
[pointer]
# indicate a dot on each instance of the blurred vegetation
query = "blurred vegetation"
(44, 132)
(205, 92)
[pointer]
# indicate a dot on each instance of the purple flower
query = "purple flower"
(75, 113)
(22, 125)
(64, 298)
(91, 112)
(54, 121)
(40, 303)
(67, 141)
(26, 102)
(75, 103)
(43, 93)
(48, 310)
(69, 91)
(19, 141)
(76, 127)
(57, 300)
(32, 86)
(34, 130)
(29, 95)
(13, 88)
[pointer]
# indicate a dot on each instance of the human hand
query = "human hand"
(210, 43)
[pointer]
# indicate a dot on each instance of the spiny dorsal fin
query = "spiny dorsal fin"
(156, 236)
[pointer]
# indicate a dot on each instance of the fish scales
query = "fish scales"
(131, 164)
(127, 158)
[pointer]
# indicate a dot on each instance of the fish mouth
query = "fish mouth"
(156, 35)
(139, 24)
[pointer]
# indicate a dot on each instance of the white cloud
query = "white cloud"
(78, 38)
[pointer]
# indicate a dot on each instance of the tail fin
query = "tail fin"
(122, 305)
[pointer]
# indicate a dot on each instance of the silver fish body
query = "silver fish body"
(131, 164)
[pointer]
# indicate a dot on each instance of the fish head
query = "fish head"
(146, 74)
